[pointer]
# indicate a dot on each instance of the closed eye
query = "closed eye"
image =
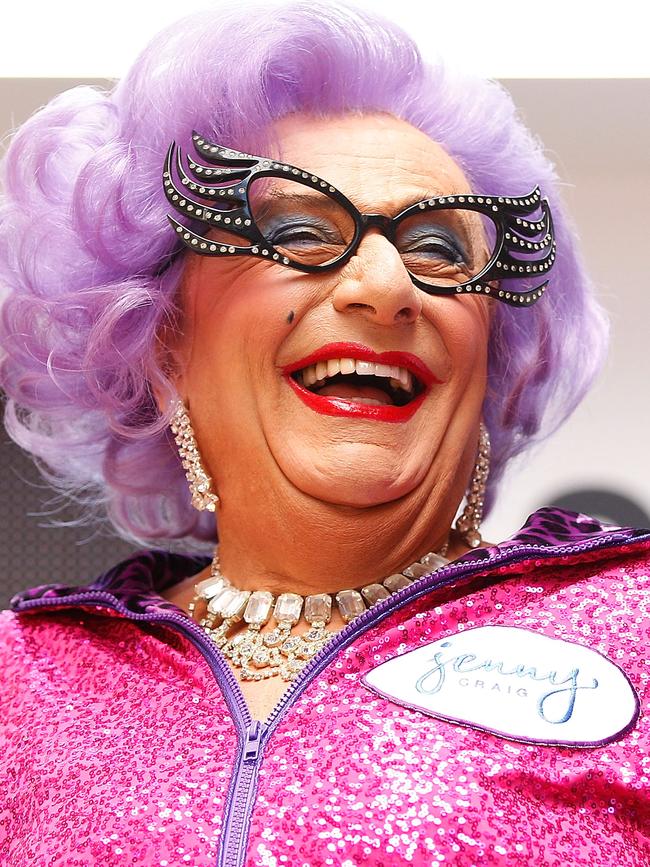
(302, 232)
(436, 245)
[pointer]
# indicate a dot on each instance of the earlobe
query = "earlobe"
(165, 394)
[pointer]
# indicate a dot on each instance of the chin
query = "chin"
(357, 484)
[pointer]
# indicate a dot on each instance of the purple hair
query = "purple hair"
(84, 238)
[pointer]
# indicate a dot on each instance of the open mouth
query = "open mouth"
(349, 379)
(365, 382)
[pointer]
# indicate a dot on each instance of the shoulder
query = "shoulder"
(567, 558)
(27, 637)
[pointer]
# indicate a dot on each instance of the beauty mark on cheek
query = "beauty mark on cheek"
(290, 317)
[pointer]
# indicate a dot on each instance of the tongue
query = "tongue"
(352, 392)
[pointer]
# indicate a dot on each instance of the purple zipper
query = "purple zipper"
(254, 735)
(241, 797)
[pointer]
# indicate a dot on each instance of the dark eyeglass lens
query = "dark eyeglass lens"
(445, 246)
(302, 223)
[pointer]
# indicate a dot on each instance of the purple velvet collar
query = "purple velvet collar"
(138, 581)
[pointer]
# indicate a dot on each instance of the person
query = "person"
(290, 282)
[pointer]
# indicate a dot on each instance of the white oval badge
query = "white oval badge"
(513, 683)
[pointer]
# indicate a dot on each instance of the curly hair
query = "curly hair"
(84, 238)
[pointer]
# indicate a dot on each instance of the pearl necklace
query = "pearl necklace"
(219, 607)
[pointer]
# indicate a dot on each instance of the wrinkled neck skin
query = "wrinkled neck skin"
(275, 537)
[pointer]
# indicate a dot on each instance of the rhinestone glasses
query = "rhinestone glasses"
(245, 205)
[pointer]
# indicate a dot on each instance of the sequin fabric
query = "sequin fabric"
(110, 750)
(378, 784)
(118, 746)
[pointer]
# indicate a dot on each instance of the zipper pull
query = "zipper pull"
(254, 734)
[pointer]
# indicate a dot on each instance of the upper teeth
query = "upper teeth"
(399, 377)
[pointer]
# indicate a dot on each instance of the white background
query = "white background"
(500, 39)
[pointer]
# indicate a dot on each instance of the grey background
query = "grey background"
(598, 133)
(33, 551)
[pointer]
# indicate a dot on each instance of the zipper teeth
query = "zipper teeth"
(234, 824)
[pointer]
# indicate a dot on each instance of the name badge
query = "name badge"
(513, 683)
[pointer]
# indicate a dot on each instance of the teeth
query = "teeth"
(405, 379)
(399, 377)
(365, 368)
(333, 366)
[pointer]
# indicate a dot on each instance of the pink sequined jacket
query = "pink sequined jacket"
(494, 712)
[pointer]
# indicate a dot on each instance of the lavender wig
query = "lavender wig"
(84, 236)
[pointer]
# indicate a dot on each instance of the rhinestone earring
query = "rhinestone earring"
(200, 482)
(468, 524)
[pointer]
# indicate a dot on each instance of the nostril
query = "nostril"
(378, 293)
(406, 313)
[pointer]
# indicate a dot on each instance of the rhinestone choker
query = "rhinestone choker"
(219, 607)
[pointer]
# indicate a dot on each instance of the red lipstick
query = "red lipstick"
(339, 406)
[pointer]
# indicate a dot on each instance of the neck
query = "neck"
(321, 547)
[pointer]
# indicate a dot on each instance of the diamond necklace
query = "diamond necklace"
(279, 653)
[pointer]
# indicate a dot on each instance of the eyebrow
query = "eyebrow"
(301, 198)
(331, 204)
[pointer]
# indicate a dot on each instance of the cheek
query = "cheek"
(464, 327)
(237, 317)
(243, 303)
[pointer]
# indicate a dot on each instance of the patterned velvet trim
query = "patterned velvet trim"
(556, 528)
(136, 583)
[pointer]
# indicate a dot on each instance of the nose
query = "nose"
(375, 284)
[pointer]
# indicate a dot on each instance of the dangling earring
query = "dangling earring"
(200, 482)
(469, 522)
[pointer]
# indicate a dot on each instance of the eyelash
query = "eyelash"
(453, 245)
(300, 228)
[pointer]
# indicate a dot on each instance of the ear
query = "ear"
(173, 347)
(166, 380)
